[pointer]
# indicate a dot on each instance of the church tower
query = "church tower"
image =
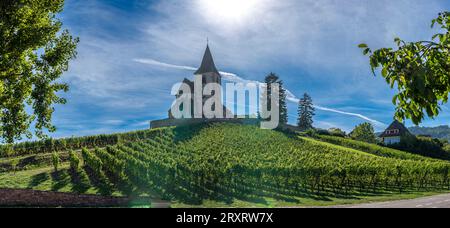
(208, 69)
(209, 74)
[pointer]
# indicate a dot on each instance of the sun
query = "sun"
(229, 11)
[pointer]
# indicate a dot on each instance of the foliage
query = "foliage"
(283, 105)
(364, 132)
(30, 162)
(447, 148)
(337, 132)
(6, 150)
(74, 143)
(305, 113)
(14, 164)
(34, 53)
(55, 161)
(74, 161)
(269, 80)
(409, 148)
(424, 146)
(440, 132)
(420, 70)
(92, 161)
(224, 160)
(372, 148)
(111, 164)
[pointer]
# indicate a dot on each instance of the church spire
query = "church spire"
(208, 65)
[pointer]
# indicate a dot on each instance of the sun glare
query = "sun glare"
(230, 11)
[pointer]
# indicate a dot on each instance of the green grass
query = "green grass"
(28, 162)
(336, 147)
(45, 179)
(311, 202)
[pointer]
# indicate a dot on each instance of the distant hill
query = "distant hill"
(440, 132)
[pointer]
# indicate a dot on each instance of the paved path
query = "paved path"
(440, 201)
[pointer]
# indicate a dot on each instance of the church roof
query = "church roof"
(208, 65)
(189, 83)
(391, 131)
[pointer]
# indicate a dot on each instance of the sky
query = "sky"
(131, 53)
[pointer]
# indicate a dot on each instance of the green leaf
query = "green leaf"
(394, 100)
(366, 51)
(435, 36)
(384, 72)
(363, 46)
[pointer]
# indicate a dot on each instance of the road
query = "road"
(440, 201)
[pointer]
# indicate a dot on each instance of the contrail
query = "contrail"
(235, 78)
(161, 64)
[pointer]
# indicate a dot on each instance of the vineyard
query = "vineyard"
(74, 143)
(224, 162)
(372, 148)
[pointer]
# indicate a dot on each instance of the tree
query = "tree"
(305, 113)
(283, 105)
(34, 53)
(74, 162)
(269, 80)
(55, 161)
(337, 132)
(447, 148)
(364, 132)
(420, 70)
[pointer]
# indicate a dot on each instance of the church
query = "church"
(209, 74)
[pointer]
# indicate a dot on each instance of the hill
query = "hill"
(373, 148)
(228, 163)
(440, 132)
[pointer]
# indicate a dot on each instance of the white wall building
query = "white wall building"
(394, 133)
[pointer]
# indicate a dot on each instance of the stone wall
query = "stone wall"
(288, 127)
(187, 122)
(32, 198)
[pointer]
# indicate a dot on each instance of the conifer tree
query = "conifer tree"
(283, 106)
(306, 112)
(269, 80)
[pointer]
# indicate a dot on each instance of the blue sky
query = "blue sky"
(311, 45)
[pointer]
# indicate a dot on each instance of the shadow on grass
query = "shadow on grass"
(104, 187)
(80, 181)
(185, 133)
(38, 179)
(122, 185)
(60, 180)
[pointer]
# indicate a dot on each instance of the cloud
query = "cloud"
(235, 78)
(311, 44)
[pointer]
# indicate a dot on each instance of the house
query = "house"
(394, 133)
(209, 74)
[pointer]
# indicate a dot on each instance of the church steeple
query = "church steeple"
(208, 65)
